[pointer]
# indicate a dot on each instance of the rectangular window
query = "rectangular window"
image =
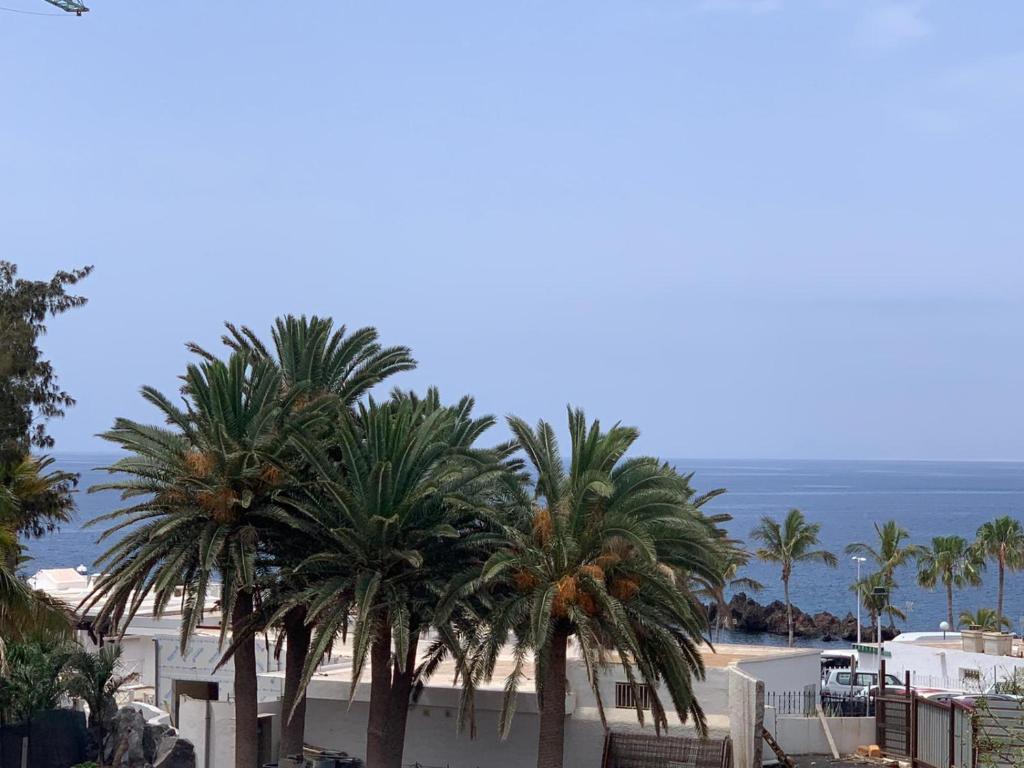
(970, 675)
(843, 678)
(626, 696)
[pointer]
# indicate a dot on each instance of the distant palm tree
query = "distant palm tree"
(33, 500)
(890, 555)
(94, 678)
(952, 561)
(27, 614)
(600, 551)
(790, 543)
(875, 593)
(986, 619)
(1002, 540)
(731, 561)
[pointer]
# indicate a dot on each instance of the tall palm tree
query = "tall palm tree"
(952, 561)
(985, 618)
(93, 678)
(334, 368)
(1002, 540)
(401, 498)
(203, 502)
(875, 593)
(599, 552)
(890, 554)
(787, 544)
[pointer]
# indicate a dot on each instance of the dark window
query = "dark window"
(627, 696)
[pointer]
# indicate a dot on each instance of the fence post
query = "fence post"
(952, 734)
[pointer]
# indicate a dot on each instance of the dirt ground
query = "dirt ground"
(826, 761)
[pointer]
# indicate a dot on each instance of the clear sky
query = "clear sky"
(753, 228)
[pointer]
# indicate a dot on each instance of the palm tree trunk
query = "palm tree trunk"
(551, 744)
(389, 701)
(1002, 578)
(789, 610)
(293, 724)
(949, 603)
(245, 685)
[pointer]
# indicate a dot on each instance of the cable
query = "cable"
(29, 13)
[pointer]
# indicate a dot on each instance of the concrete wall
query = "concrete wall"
(794, 672)
(431, 735)
(746, 704)
(210, 726)
(805, 735)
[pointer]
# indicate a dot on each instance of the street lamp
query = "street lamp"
(944, 626)
(858, 560)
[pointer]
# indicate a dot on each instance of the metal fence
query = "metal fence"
(931, 721)
(805, 704)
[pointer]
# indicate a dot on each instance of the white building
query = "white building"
(198, 695)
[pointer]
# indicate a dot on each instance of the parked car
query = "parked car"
(843, 682)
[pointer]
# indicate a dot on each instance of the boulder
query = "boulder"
(151, 737)
(123, 746)
(744, 614)
(175, 752)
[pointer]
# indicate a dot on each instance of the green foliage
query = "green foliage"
(951, 561)
(93, 677)
(204, 492)
(601, 549)
(400, 505)
(33, 680)
(986, 619)
(30, 393)
(891, 553)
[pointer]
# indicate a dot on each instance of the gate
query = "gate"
(892, 724)
(932, 724)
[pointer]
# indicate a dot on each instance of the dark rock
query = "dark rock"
(151, 737)
(175, 752)
(744, 614)
(123, 746)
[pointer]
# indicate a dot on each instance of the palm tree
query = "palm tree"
(985, 619)
(1002, 540)
(731, 560)
(601, 554)
(400, 500)
(890, 555)
(27, 614)
(33, 500)
(33, 680)
(203, 500)
(952, 561)
(790, 543)
(328, 365)
(94, 678)
(875, 593)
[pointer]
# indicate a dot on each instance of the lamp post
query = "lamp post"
(944, 626)
(858, 560)
(881, 593)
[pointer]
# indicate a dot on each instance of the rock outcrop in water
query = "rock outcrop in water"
(747, 615)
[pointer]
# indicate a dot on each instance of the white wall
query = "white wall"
(806, 736)
(431, 736)
(210, 726)
(942, 667)
(792, 672)
(746, 698)
(198, 662)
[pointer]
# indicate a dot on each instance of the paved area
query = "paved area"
(826, 761)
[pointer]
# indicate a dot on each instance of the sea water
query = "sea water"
(928, 498)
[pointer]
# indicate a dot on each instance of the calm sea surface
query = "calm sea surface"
(846, 497)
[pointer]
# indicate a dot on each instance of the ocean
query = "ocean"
(928, 498)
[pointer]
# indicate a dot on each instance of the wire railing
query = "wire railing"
(805, 704)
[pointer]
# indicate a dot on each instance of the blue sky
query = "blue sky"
(753, 228)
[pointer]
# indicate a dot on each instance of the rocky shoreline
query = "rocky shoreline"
(744, 614)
